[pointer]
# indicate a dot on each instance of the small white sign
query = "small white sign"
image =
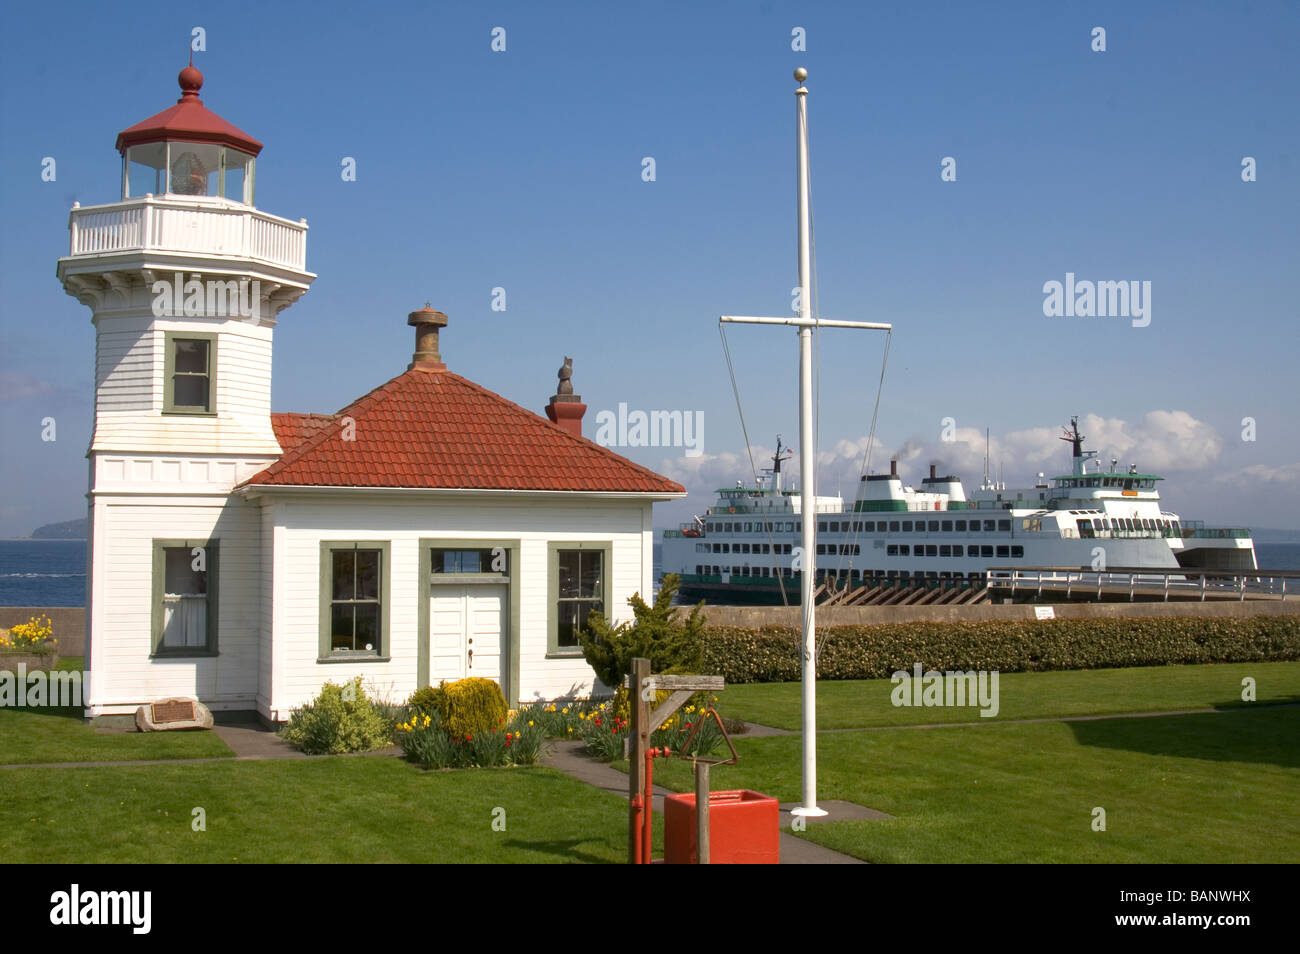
(1045, 612)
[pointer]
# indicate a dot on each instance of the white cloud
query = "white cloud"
(1159, 442)
(1265, 474)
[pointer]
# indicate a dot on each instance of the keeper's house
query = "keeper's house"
(430, 530)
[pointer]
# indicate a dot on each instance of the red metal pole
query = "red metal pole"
(647, 832)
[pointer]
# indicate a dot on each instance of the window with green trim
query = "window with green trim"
(579, 586)
(184, 597)
(191, 373)
(354, 599)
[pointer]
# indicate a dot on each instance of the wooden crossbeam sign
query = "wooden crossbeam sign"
(642, 685)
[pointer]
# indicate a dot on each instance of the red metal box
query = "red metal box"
(744, 829)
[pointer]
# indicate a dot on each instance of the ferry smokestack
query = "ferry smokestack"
(893, 468)
(932, 471)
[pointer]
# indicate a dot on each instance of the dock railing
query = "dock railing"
(1165, 583)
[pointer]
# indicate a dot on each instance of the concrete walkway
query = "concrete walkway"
(568, 757)
(249, 739)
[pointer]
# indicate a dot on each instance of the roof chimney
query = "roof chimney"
(566, 408)
(426, 322)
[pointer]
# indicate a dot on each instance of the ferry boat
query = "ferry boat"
(745, 547)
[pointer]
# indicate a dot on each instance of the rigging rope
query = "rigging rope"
(749, 450)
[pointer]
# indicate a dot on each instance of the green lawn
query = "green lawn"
(58, 735)
(1214, 787)
(329, 809)
(866, 702)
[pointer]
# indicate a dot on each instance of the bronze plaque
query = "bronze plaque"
(181, 711)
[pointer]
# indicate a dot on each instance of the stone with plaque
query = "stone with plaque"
(172, 714)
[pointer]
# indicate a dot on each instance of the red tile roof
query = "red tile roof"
(435, 429)
(291, 429)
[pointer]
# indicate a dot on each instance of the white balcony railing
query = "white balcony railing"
(162, 224)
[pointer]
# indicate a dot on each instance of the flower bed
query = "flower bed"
(31, 644)
(519, 739)
(605, 733)
(423, 740)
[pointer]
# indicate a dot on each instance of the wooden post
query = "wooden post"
(639, 737)
(702, 813)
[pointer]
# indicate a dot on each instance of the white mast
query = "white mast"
(807, 452)
(807, 464)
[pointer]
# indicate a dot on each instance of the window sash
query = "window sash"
(189, 389)
(578, 584)
(354, 599)
(184, 599)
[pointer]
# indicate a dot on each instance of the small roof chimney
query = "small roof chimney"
(566, 408)
(426, 322)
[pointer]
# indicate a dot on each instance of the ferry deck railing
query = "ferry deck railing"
(1180, 582)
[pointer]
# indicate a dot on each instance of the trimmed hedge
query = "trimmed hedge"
(466, 707)
(340, 719)
(770, 653)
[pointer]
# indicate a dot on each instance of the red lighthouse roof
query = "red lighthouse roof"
(188, 121)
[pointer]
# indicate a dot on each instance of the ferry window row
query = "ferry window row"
(1144, 525)
(743, 548)
(870, 574)
(861, 526)
(955, 550)
(1125, 483)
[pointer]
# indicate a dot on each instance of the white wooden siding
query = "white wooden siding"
(303, 523)
(130, 390)
(122, 674)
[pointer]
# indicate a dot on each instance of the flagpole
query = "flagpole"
(807, 465)
(807, 453)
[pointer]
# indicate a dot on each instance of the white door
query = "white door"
(467, 624)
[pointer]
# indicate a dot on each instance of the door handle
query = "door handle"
(471, 658)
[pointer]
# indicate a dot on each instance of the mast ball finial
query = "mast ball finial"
(800, 74)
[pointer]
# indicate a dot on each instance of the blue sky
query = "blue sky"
(522, 169)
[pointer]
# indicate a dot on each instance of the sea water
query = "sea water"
(42, 572)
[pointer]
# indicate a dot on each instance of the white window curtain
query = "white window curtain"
(185, 621)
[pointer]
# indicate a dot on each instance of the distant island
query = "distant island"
(67, 530)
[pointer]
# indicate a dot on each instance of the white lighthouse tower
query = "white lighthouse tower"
(185, 278)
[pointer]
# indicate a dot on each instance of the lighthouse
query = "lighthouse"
(240, 559)
(185, 278)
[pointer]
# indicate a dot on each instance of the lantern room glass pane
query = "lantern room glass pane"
(146, 170)
(238, 177)
(195, 168)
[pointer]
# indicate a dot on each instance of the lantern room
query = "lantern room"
(188, 150)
